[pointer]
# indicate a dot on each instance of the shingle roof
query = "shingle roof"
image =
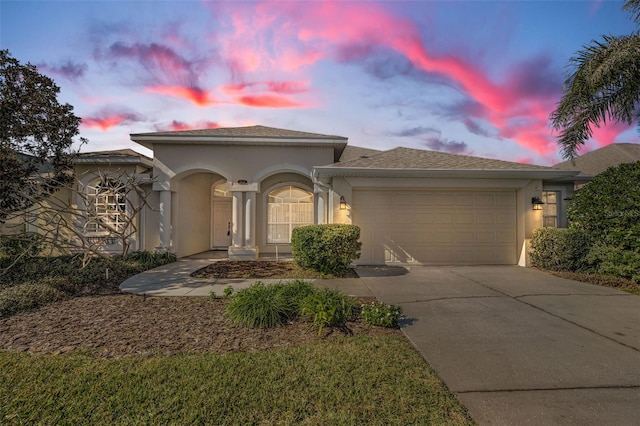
(596, 162)
(245, 132)
(408, 158)
(114, 156)
(353, 152)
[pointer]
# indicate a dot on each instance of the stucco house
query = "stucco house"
(244, 189)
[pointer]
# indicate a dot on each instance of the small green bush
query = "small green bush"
(328, 249)
(271, 305)
(557, 249)
(227, 292)
(381, 314)
(327, 308)
(258, 306)
(295, 292)
(26, 296)
(615, 262)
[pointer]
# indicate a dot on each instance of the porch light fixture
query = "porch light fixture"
(537, 203)
(243, 182)
(343, 203)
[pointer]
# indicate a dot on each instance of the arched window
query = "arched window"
(106, 206)
(288, 208)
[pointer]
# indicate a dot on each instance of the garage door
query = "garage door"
(436, 227)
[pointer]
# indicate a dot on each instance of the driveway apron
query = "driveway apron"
(521, 347)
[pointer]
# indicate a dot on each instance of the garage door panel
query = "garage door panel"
(436, 227)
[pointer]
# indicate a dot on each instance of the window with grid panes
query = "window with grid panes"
(550, 209)
(106, 206)
(288, 207)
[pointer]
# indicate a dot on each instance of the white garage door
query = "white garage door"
(435, 227)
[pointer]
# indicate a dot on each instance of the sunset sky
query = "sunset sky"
(467, 77)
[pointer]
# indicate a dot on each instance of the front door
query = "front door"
(220, 223)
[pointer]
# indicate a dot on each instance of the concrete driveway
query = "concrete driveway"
(522, 347)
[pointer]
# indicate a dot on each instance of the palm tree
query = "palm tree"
(603, 84)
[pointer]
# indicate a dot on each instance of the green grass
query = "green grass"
(362, 380)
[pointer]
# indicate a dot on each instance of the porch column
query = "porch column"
(165, 220)
(243, 246)
(250, 219)
(237, 213)
(320, 212)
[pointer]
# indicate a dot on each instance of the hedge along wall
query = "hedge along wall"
(328, 249)
(558, 249)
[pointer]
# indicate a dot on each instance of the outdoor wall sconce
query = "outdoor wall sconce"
(343, 203)
(243, 182)
(536, 203)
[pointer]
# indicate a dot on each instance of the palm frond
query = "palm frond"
(633, 8)
(603, 84)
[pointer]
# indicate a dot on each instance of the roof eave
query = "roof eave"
(327, 171)
(114, 160)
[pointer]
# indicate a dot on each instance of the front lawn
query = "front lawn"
(358, 380)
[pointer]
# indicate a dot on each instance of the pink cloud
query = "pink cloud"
(181, 125)
(268, 101)
(281, 87)
(282, 37)
(198, 96)
(107, 119)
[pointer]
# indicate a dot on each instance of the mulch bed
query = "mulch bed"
(261, 269)
(127, 325)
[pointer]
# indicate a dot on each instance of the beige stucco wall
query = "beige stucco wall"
(150, 221)
(528, 219)
(191, 214)
(250, 163)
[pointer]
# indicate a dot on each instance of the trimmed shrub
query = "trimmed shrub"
(615, 262)
(557, 249)
(25, 296)
(327, 308)
(45, 279)
(381, 314)
(328, 249)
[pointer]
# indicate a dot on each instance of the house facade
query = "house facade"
(244, 189)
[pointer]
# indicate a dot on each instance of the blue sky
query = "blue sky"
(468, 77)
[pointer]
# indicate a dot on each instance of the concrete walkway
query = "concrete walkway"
(516, 346)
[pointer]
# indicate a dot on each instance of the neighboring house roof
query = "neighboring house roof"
(42, 167)
(119, 156)
(595, 162)
(401, 162)
(250, 135)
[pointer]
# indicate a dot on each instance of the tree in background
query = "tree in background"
(36, 136)
(603, 84)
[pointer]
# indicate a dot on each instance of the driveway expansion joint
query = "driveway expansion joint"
(454, 298)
